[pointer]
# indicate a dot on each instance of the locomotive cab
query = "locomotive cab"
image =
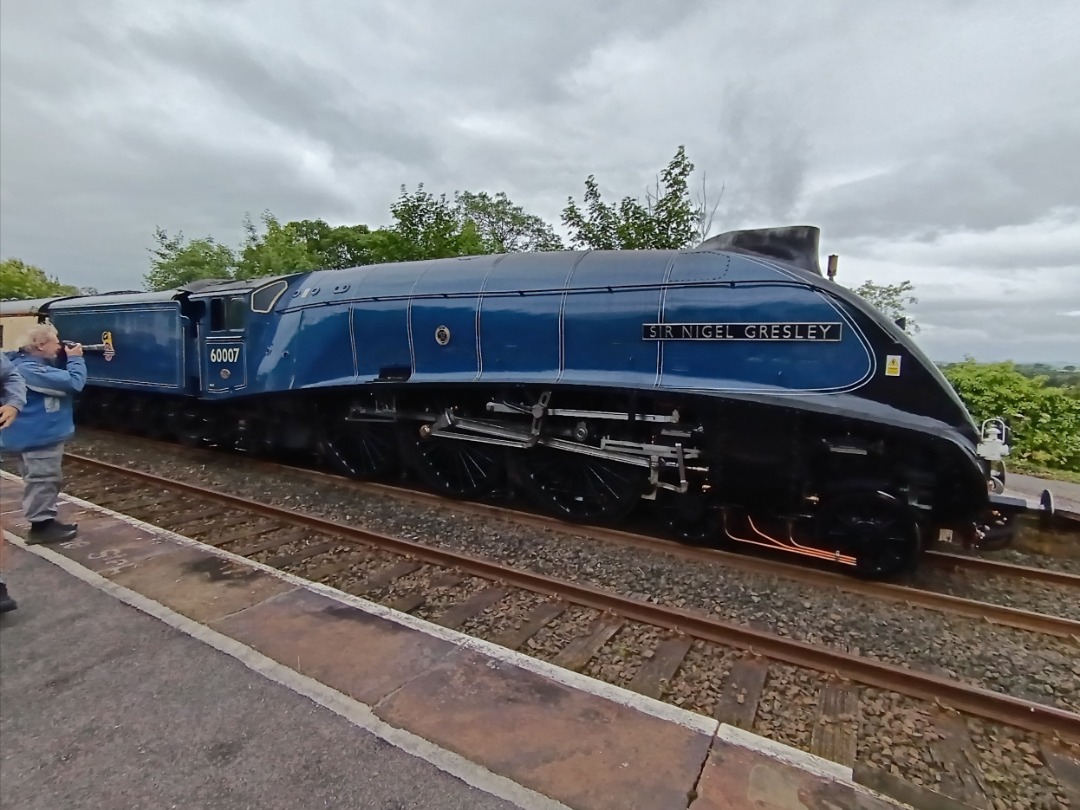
(221, 315)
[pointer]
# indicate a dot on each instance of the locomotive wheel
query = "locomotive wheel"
(360, 449)
(879, 530)
(689, 517)
(459, 469)
(577, 487)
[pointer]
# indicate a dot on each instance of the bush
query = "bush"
(1045, 421)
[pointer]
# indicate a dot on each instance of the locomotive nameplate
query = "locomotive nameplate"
(815, 332)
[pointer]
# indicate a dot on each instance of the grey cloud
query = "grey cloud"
(332, 107)
(92, 209)
(967, 189)
(119, 116)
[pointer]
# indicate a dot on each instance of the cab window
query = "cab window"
(227, 314)
(264, 298)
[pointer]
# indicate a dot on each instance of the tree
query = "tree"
(703, 214)
(504, 227)
(891, 300)
(668, 219)
(176, 263)
(20, 281)
(425, 227)
(1045, 421)
(299, 246)
(279, 251)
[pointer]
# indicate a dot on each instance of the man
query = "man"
(46, 422)
(12, 400)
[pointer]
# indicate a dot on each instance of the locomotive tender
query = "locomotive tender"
(744, 395)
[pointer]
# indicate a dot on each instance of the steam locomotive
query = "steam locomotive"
(731, 390)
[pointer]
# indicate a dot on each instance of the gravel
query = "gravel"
(510, 614)
(704, 671)
(620, 658)
(894, 734)
(1014, 773)
(553, 637)
(1024, 556)
(1037, 597)
(789, 705)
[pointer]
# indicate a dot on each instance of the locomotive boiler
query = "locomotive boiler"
(730, 390)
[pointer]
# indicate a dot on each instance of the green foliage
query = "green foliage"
(1065, 377)
(279, 251)
(177, 262)
(428, 227)
(892, 300)
(668, 219)
(504, 227)
(20, 281)
(300, 246)
(1045, 421)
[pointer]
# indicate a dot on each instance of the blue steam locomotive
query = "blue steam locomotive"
(730, 389)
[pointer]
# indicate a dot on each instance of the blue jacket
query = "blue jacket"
(47, 418)
(12, 385)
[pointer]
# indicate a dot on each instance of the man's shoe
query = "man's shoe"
(6, 602)
(50, 531)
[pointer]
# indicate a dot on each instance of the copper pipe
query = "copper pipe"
(836, 556)
(773, 543)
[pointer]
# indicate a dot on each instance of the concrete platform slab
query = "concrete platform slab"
(199, 585)
(576, 747)
(363, 656)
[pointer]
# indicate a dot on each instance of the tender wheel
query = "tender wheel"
(879, 530)
(453, 467)
(360, 449)
(577, 487)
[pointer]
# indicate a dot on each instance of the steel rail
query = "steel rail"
(981, 565)
(1025, 714)
(990, 612)
(938, 559)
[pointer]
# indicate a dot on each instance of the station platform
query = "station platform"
(1029, 488)
(144, 669)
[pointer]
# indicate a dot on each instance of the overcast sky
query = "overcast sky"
(932, 141)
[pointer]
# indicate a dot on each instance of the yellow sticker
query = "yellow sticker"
(892, 365)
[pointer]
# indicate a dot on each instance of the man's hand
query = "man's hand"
(7, 415)
(74, 351)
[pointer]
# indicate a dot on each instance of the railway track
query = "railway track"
(765, 562)
(990, 612)
(283, 538)
(898, 728)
